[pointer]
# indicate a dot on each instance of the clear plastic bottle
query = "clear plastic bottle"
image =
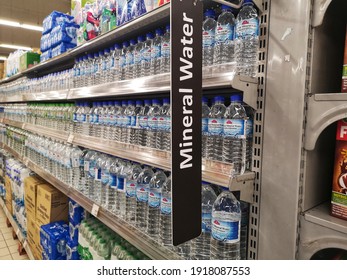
(105, 66)
(201, 246)
(244, 229)
(97, 63)
(76, 71)
(130, 192)
(153, 114)
(115, 130)
(96, 128)
(129, 121)
(138, 56)
(107, 120)
(91, 175)
(90, 118)
(85, 125)
(134, 130)
(130, 60)
(89, 70)
(165, 51)
(142, 133)
(124, 173)
(234, 134)
(109, 53)
(214, 144)
(156, 52)
(123, 61)
(224, 45)
(204, 125)
(247, 40)
(116, 71)
(146, 55)
(165, 229)
(226, 223)
(208, 37)
(105, 180)
(99, 165)
(119, 185)
(122, 122)
(154, 199)
(75, 164)
(142, 197)
(164, 126)
(111, 191)
(103, 118)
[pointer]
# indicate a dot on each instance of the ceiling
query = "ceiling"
(28, 12)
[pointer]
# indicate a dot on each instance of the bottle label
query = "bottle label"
(122, 61)
(146, 54)
(120, 184)
(105, 176)
(86, 165)
(127, 121)
(225, 231)
(249, 128)
(96, 118)
(215, 126)
(130, 188)
(92, 169)
(234, 128)
(112, 120)
(208, 38)
(83, 117)
(153, 122)
(75, 162)
(161, 123)
(104, 65)
(204, 124)
(156, 52)
(247, 27)
(166, 205)
(113, 181)
(165, 50)
(154, 198)
(143, 121)
(206, 222)
(137, 57)
(97, 175)
(74, 118)
(142, 193)
(130, 58)
(132, 121)
(224, 33)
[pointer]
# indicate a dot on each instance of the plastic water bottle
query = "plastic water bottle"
(76, 72)
(115, 130)
(130, 60)
(116, 56)
(111, 191)
(165, 51)
(201, 246)
(130, 192)
(84, 71)
(226, 223)
(109, 54)
(98, 61)
(135, 123)
(81, 186)
(76, 157)
(234, 134)
(156, 52)
(204, 125)
(208, 37)
(146, 55)
(214, 144)
(91, 175)
(142, 133)
(123, 61)
(224, 46)
(247, 39)
(85, 125)
(122, 122)
(86, 160)
(153, 114)
(116, 171)
(138, 56)
(154, 199)
(99, 165)
(89, 70)
(165, 229)
(103, 118)
(107, 120)
(96, 128)
(124, 172)
(142, 197)
(164, 126)
(105, 178)
(106, 63)
(129, 121)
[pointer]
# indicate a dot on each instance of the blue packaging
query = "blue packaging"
(122, 12)
(53, 19)
(71, 251)
(76, 213)
(53, 238)
(64, 33)
(61, 48)
(46, 55)
(73, 234)
(137, 8)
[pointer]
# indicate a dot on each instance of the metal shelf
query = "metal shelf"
(319, 9)
(218, 173)
(323, 110)
(136, 237)
(319, 230)
(18, 232)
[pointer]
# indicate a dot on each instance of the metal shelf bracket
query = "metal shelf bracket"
(319, 9)
(244, 183)
(249, 86)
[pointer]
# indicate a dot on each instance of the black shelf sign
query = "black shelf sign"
(186, 92)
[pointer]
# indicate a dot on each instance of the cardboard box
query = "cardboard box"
(33, 231)
(344, 71)
(51, 205)
(28, 60)
(30, 194)
(8, 198)
(339, 191)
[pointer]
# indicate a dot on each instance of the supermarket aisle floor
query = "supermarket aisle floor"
(8, 246)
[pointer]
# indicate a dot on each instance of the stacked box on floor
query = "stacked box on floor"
(53, 239)
(76, 215)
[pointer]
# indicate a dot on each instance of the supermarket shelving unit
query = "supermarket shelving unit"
(253, 94)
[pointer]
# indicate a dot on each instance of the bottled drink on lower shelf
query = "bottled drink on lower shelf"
(164, 126)
(153, 115)
(156, 52)
(130, 192)
(142, 133)
(123, 173)
(165, 51)
(201, 246)
(146, 55)
(133, 130)
(204, 126)
(226, 223)
(138, 56)
(208, 37)
(165, 229)
(111, 191)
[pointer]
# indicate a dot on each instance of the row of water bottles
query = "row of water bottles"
(140, 57)
(228, 39)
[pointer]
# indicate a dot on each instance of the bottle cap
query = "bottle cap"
(218, 99)
(235, 97)
(204, 99)
(167, 27)
(139, 103)
(210, 13)
(247, 1)
(99, 104)
(166, 101)
(104, 103)
(110, 103)
(90, 55)
(101, 53)
(148, 102)
(107, 50)
(131, 103)
(125, 44)
(124, 103)
(133, 42)
(225, 7)
(159, 32)
(155, 101)
(149, 35)
(117, 46)
(96, 55)
(116, 103)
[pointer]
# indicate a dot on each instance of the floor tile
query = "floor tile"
(3, 225)
(7, 257)
(3, 244)
(6, 230)
(4, 252)
(7, 236)
(1, 237)
(11, 242)
(2, 220)
(13, 248)
(16, 256)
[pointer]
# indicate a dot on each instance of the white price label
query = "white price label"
(23, 126)
(95, 210)
(25, 244)
(70, 138)
(26, 161)
(17, 232)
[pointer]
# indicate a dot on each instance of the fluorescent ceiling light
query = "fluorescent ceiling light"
(3, 58)
(7, 46)
(20, 25)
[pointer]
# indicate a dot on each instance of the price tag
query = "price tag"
(23, 126)
(70, 138)
(26, 161)
(95, 210)
(17, 232)
(25, 244)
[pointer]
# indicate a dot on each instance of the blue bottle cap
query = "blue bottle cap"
(131, 102)
(104, 103)
(141, 38)
(109, 103)
(247, 1)
(133, 42)
(235, 97)
(117, 46)
(94, 104)
(90, 55)
(155, 102)
(101, 53)
(148, 102)
(225, 7)
(167, 27)
(124, 103)
(125, 44)
(204, 99)
(116, 103)
(99, 104)
(158, 32)
(107, 50)
(166, 101)
(111, 48)
(149, 35)
(96, 55)
(210, 13)
(139, 103)
(205, 183)
(86, 104)
(218, 99)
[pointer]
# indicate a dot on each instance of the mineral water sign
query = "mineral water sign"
(186, 91)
